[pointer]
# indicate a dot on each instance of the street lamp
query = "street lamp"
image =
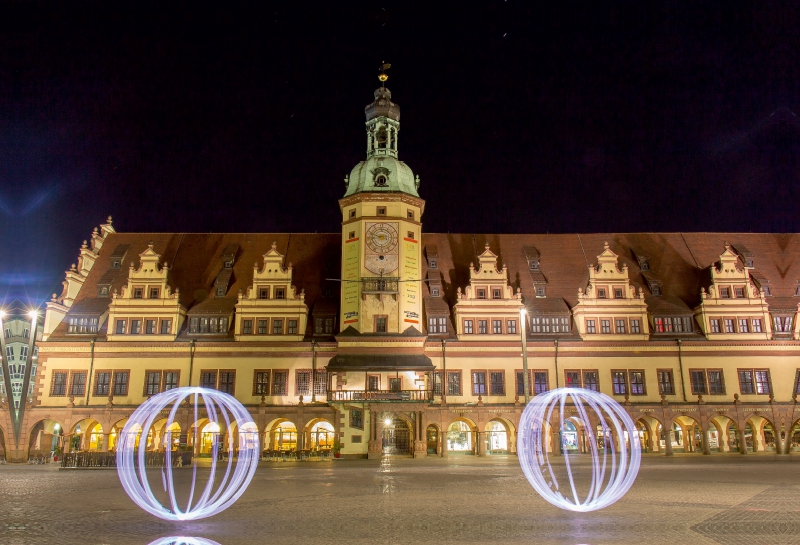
(525, 378)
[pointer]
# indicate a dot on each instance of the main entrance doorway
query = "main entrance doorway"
(432, 437)
(396, 437)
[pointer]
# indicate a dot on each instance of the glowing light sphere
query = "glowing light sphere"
(219, 493)
(182, 540)
(613, 470)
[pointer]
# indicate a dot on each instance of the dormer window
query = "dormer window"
(220, 292)
(797, 291)
(263, 293)
(767, 291)
(540, 292)
(534, 265)
(381, 211)
(115, 264)
(154, 293)
(280, 293)
(433, 264)
(749, 263)
(656, 290)
(645, 265)
(435, 292)
(138, 293)
(602, 293)
(228, 264)
(102, 291)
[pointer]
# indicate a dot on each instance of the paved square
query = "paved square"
(462, 499)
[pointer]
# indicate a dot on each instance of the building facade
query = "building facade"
(390, 339)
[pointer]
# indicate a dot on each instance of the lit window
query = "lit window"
(619, 382)
(572, 379)
(479, 383)
(511, 327)
(743, 325)
(637, 383)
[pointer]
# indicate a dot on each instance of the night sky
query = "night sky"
(519, 118)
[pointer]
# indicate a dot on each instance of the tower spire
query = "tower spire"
(382, 76)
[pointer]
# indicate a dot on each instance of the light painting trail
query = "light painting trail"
(220, 408)
(616, 464)
(183, 540)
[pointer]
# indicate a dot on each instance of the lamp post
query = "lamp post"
(525, 380)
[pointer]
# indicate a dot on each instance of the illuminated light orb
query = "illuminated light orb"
(220, 492)
(183, 540)
(613, 470)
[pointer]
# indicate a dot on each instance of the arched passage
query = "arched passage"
(397, 435)
(45, 437)
(318, 435)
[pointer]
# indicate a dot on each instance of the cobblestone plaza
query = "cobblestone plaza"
(465, 499)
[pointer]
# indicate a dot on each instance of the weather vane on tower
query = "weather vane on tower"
(382, 76)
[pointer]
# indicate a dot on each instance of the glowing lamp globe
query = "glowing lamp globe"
(227, 481)
(183, 540)
(613, 468)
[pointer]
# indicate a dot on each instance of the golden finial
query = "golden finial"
(384, 67)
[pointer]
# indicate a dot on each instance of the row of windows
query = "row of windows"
(380, 210)
(280, 326)
(278, 292)
(483, 292)
(139, 291)
(23, 353)
(731, 292)
(82, 325)
(549, 324)
(25, 332)
(73, 383)
(483, 327)
(674, 324)
(712, 381)
(138, 326)
(613, 325)
(605, 292)
(735, 325)
(266, 382)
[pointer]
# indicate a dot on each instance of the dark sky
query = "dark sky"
(518, 116)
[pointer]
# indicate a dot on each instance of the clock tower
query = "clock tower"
(381, 228)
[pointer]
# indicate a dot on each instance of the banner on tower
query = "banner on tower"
(351, 284)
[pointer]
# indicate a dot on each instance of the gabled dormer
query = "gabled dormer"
(488, 305)
(271, 309)
(146, 305)
(731, 306)
(610, 307)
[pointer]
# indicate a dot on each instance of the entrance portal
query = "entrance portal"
(432, 436)
(396, 437)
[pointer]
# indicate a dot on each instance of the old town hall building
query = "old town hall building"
(392, 340)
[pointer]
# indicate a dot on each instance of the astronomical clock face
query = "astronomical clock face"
(381, 250)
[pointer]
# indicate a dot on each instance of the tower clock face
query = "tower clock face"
(381, 249)
(382, 238)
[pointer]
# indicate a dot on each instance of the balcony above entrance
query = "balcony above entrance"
(381, 395)
(380, 362)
